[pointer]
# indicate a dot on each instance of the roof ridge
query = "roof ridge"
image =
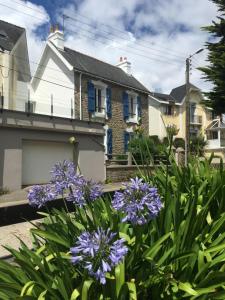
(102, 61)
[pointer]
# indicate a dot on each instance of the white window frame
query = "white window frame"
(134, 118)
(101, 86)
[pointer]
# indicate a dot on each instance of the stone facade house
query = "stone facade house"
(70, 84)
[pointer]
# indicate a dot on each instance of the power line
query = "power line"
(140, 45)
(119, 30)
(137, 54)
(45, 80)
(162, 61)
(14, 9)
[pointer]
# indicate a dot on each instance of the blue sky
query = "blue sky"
(155, 35)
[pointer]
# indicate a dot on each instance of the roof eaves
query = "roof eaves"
(115, 82)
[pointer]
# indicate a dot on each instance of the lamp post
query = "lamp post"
(187, 119)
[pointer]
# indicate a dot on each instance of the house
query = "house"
(73, 85)
(215, 133)
(170, 109)
(14, 66)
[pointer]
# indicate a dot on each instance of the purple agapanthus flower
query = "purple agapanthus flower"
(98, 252)
(39, 195)
(84, 191)
(63, 175)
(139, 202)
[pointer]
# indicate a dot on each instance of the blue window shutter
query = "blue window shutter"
(126, 140)
(91, 97)
(139, 106)
(109, 143)
(125, 106)
(109, 102)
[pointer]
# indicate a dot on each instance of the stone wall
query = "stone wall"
(117, 122)
(124, 173)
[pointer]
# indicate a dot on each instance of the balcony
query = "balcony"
(196, 120)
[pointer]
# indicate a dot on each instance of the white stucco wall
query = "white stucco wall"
(62, 92)
(156, 126)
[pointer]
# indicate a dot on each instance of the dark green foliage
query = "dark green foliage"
(145, 148)
(197, 144)
(215, 72)
(179, 143)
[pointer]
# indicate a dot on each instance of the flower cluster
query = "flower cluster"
(38, 195)
(98, 252)
(84, 191)
(139, 202)
(63, 175)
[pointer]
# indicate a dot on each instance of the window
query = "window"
(99, 100)
(212, 135)
(132, 106)
(168, 110)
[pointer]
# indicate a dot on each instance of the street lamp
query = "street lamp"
(187, 135)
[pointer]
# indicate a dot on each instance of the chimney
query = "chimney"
(125, 65)
(56, 37)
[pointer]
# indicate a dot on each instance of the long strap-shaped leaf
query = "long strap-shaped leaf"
(85, 289)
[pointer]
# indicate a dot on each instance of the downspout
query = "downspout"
(81, 113)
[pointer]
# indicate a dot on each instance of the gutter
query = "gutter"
(81, 113)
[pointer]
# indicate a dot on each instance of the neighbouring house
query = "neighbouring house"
(216, 138)
(14, 67)
(73, 85)
(170, 109)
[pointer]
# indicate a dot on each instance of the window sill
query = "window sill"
(132, 120)
(99, 115)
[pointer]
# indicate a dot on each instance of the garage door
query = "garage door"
(39, 157)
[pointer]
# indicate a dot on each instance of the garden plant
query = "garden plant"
(161, 237)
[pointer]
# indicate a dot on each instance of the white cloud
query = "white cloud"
(29, 16)
(161, 17)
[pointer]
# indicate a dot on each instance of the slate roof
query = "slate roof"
(9, 35)
(179, 92)
(163, 97)
(87, 64)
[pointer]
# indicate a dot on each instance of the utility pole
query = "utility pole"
(187, 107)
(187, 114)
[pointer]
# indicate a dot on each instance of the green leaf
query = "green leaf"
(85, 289)
(75, 295)
(186, 287)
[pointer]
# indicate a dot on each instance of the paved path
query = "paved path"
(8, 233)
